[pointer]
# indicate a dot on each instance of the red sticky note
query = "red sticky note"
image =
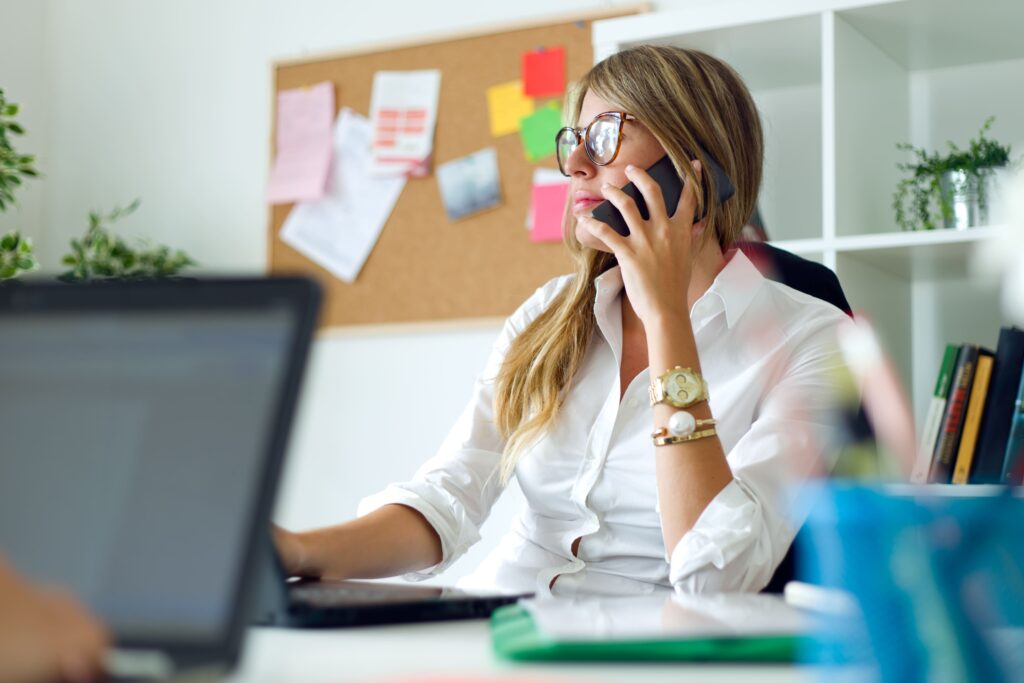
(544, 72)
(548, 203)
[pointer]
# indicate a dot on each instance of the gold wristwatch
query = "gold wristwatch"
(679, 387)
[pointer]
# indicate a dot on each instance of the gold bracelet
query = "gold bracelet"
(670, 439)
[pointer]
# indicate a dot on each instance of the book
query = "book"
(933, 420)
(953, 416)
(1013, 462)
(972, 418)
(719, 627)
(990, 453)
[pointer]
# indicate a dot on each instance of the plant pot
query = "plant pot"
(964, 197)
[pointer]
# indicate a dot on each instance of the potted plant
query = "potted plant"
(951, 189)
(103, 255)
(16, 255)
(99, 254)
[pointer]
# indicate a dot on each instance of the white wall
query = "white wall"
(170, 101)
(24, 79)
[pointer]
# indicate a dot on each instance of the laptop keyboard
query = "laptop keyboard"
(330, 595)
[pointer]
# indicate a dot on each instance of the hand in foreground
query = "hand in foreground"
(656, 257)
(46, 635)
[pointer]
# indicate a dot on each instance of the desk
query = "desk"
(454, 648)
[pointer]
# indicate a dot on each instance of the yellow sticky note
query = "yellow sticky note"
(507, 105)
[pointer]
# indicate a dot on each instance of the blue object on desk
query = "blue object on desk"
(938, 573)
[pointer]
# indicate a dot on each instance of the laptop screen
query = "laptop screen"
(133, 446)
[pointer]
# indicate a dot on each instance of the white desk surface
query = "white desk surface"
(457, 649)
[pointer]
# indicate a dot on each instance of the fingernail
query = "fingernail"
(629, 168)
(696, 165)
(605, 186)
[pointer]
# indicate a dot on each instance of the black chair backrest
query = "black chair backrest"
(797, 272)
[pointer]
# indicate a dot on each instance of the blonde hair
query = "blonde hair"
(696, 106)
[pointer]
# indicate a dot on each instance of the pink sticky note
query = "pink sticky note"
(548, 203)
(544, 72)
(305, 119)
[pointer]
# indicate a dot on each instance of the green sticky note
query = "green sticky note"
(538, 131)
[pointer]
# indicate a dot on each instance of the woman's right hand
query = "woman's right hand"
(290, 551)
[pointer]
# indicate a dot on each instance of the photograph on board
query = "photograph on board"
(470, 184)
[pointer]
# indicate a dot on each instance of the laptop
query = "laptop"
(144, 426)
(334, 604)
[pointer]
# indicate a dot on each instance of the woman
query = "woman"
(700, 503)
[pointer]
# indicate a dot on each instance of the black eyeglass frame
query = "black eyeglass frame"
(582, 134)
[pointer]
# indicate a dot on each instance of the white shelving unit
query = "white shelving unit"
(839, 83)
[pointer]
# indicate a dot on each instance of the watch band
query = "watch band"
(670, 440)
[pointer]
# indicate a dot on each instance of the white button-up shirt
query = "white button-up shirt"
(768, 353)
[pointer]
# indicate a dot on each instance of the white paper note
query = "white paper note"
(403, 109)
(339, 231)
(656, 617)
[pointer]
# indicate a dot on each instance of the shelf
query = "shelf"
(921, 255)
(934, 34)
(838, 84)
(801, 247)
(779, 49)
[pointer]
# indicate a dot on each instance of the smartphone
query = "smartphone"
(664, 173)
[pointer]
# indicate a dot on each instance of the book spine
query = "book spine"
(1013, 463)
(953, 418)
(990, 452)
(933, 420)
(972, 419)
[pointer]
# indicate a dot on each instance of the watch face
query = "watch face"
(682, 387)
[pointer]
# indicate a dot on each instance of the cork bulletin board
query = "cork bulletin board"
(425, 267)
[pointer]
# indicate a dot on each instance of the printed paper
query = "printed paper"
(340, 231)
(403, 109)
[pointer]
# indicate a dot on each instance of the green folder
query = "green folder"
(514, 635)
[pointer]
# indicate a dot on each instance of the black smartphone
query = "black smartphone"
(664, 173)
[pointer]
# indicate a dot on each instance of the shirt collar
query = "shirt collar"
(735, 286)
(733, 289)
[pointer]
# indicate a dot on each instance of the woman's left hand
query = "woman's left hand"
(656, 258)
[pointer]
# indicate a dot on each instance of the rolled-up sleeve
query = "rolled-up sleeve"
(745, 531)
(456, 489)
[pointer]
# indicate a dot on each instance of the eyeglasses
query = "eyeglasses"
(602, 136)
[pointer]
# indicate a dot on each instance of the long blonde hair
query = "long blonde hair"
(695, 105)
